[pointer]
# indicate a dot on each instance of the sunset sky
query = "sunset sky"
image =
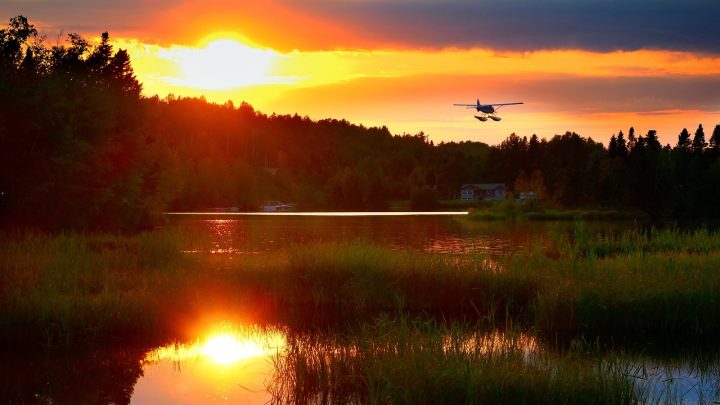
(592, 66)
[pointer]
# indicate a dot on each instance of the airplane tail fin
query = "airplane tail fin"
(478, 101)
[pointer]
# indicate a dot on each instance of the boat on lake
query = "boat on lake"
(276, 206)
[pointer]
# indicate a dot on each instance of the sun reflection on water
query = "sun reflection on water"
(227, 364)
(221, 348)
(226, 349)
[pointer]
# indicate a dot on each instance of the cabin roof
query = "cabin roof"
(484, 186)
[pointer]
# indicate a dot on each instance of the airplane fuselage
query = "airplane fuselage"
(488, 110)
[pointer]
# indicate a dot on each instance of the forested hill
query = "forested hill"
(81, 148)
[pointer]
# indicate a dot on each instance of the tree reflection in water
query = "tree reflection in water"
(95, 377)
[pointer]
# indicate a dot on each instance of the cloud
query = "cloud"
(554, 103)
(509, 25)
(555, 93)
(519, 25)
(87, 16)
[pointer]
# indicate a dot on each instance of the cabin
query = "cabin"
(484, 192)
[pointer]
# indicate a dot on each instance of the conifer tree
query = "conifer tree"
(613, 147)
(652, 140)
(622, 148)
(698, 143)
(683, 143)
(715, 139)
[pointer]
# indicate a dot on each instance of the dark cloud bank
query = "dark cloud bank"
(531, 25)
(517, 25)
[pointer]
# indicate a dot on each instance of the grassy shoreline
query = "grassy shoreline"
(71, 289)
(516, 211)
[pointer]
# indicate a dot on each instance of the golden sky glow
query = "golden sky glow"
(220, 64)
(411, 90)
(589, 66)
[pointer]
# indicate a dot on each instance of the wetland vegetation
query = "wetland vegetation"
(86, 298)
(626, 285)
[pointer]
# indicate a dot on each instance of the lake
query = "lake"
(228, 360)
(251, 234)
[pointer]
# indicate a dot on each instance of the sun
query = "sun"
(227, 349)
(221, 62)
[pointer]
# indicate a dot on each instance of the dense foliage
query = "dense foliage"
(80, 147)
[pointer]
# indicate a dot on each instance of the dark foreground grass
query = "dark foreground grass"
(67, 289)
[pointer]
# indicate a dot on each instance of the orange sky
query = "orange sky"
(328, 59)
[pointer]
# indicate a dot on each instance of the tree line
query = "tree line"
(80, 147)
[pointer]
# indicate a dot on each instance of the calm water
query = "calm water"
(449, 233)
(236, 363)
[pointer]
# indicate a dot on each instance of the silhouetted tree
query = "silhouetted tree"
(698, 143)
(715, 139)
(652, 140)
(622, 147)
(684, 143)
(612, 147)
(631, 138)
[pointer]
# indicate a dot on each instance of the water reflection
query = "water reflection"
(102, 376)
(228, 365)
(249, 364)
(493, 343)
(257, 235)
(678, 382)
(240, 363)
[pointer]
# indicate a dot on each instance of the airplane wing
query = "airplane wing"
(499, 104)
(494, 105)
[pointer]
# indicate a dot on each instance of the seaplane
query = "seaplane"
(486, 110)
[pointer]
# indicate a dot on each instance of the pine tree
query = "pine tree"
(622, 149)
(100, 57)
(631, 139)
(652, 140)
(715, 139)
(612, 147)
(683, 143)
(121, 76)
(698, 143)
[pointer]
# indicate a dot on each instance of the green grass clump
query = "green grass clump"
(673, 295)
(361, 277)
(638, 284)
(631, 285)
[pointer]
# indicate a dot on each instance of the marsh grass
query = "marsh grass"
(633, 285)
(67, 287)
(362, 277)
(402, 360)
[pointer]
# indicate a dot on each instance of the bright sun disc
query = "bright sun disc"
(223, 64)
(226, 349)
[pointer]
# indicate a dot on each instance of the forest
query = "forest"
(82, 148)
